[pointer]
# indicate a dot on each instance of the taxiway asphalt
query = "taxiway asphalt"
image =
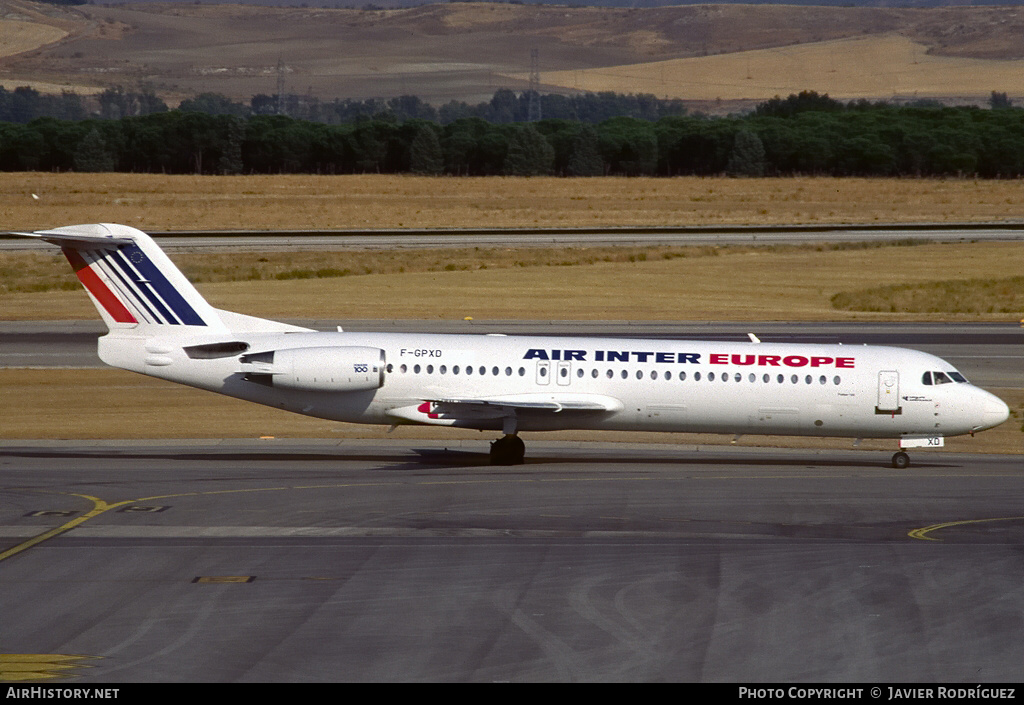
(279, 561)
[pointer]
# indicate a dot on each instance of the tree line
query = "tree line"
(802, 134)
(24, 104)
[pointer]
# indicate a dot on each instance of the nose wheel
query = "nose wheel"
(901, 460)
(508, 450)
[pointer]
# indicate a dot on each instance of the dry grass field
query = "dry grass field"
(660, 284)
(762, 283)
(16, 37)
(159, 202)
(465, 51)
(872, 67)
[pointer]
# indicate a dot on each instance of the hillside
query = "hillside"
(465, 51)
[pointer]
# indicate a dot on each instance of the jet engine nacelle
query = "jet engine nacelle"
(326, 369)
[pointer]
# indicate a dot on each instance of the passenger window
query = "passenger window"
(430, 369)
(593, 373)
(455, 370)
(416, 369)
(522, 371)
(682, 376)
(739, 378)
(624, 374)
(668, 375)
(711, 376)
(696, 376)
(508, 371)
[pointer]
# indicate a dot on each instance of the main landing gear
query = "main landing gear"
(508, 450)
(901, 460)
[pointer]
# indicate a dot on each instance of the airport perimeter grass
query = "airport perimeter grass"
(161, 202)
(774, 283)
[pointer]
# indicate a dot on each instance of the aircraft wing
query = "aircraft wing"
(442, 409)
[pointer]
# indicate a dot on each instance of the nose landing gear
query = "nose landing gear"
(901, 460)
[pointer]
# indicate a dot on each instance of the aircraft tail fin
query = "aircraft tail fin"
(136, 288)
(130, 280)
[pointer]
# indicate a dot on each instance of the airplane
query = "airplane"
(159, 325)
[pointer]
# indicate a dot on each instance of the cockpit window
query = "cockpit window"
(930, 378)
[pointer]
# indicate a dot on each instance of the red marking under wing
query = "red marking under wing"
(100, 291)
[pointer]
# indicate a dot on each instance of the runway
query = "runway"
(273, 561)
(639, 236)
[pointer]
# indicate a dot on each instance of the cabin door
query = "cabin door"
(888, 391)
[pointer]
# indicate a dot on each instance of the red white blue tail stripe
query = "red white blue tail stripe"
(129, 287)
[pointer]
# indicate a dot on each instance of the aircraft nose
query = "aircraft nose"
(994, 412)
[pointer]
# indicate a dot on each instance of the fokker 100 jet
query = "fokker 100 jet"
(159, 325)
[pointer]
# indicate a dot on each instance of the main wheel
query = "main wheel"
(508, 450)
(901, 460)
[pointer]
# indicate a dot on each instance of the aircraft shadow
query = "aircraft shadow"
(460, 458)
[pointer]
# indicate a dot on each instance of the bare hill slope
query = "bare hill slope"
(465, 51)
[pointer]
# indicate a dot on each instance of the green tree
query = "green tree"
(213, 104)
(92, 154)
(529, 153)
(747, 157)
(999, 101)
(585, 159)
(425, 155)
(231, 155)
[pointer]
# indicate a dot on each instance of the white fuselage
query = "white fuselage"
(478, 381)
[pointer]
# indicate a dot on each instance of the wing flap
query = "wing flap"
(544, 402)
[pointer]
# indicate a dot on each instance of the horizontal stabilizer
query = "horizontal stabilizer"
(84, 235)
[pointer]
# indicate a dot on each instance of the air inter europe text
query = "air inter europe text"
(690, 358)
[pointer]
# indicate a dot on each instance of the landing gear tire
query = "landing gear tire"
(508, 450)
(901, 460)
